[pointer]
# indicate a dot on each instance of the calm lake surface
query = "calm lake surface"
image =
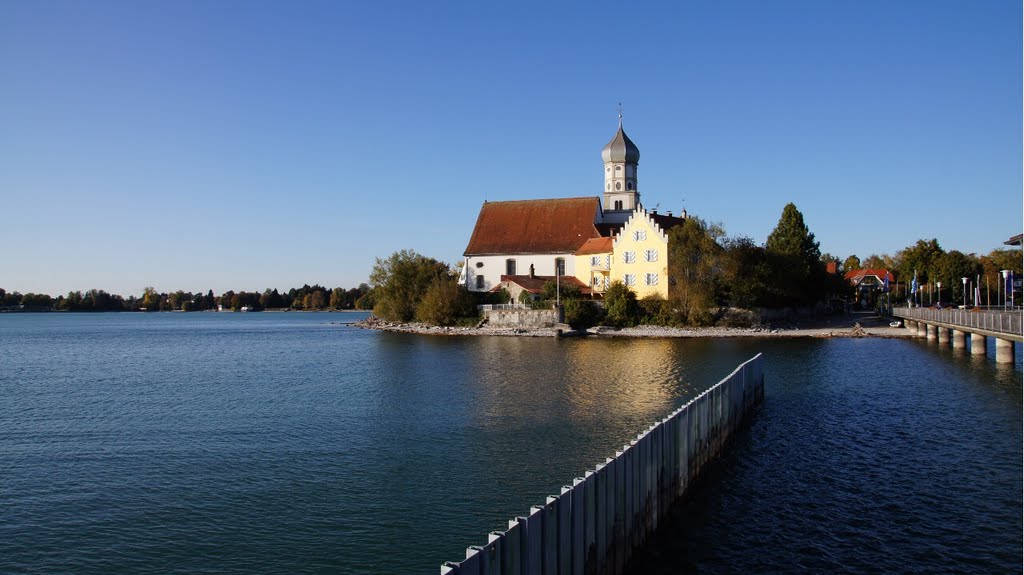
(291, 443)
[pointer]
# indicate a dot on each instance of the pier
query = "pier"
(595, 524)
(962, 325)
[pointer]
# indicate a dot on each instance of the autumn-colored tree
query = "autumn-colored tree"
(445, 302)
(400, 281)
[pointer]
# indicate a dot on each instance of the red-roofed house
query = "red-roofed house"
(576, 237)
(868, 284)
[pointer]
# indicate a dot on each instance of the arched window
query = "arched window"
(618, 204)
(629, 185)
(510, 267)
(560, 266)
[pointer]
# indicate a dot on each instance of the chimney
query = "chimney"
(670, 213)
(531, 271)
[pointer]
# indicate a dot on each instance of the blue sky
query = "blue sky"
(251, 145)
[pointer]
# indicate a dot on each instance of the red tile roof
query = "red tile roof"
(857, 276)
(595, 246)
(534, 226)
(534, 284)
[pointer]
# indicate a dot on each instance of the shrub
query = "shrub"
(655, 310)
(581, 313)
(445, 303)
(620, 305)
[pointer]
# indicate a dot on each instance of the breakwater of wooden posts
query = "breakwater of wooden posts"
(594, 525)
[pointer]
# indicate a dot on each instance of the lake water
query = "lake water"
(292, 443)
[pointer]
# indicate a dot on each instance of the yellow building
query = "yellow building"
(640, 256)
(595, 240)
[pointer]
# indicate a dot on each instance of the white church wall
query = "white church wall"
(492, 267)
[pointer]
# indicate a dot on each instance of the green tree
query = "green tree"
(696, 264)
(796, 260)
(922, 258)
(566, 291)
(747, 275)
(950, 267)
(150, 299)
(445, 302)
(620, 305)
(851, 263)
(401, 281)
(367, 301)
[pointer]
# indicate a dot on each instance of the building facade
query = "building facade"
(596, 240)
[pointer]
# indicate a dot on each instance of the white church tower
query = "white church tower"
(621, 157)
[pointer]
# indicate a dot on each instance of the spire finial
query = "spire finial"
(620, 114)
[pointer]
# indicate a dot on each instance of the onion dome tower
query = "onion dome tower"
(621, 157)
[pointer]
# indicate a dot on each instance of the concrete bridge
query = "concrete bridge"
(956, 324)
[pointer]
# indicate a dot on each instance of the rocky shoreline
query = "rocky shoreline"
(841, 329)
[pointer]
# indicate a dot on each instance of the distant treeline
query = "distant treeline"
(307, 297)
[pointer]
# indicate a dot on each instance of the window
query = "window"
(629, 185)
(640, 235)
(479, 264)
(510, 267)
(650, 255)
(479, 282)
(618, 185)
(618, 203)
(651, 279)
(559, 266)
(618, 168)
(628, 257)
(608, 187)
(595, 260)
(597, 281)
(629, 279)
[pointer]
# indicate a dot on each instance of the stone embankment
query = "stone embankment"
(821, 331)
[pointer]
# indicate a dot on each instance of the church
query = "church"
(587, 241)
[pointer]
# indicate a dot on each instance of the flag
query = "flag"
(913, 284)
(885, 283)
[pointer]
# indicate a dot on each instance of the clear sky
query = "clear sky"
(249, 145)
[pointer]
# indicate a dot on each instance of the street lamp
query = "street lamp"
(938, 293)
(964, 279)
(1005, 273)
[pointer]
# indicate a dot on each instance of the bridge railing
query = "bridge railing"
(992, 321)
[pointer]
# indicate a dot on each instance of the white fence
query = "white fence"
(595, 524)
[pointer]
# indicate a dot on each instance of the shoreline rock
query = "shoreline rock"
(642, 331)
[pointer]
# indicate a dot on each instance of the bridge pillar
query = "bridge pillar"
(1004, 351)
(959, 339)
(922, 329)
(932, 332)
(911, 325)
(979, 345)
(944, 335)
